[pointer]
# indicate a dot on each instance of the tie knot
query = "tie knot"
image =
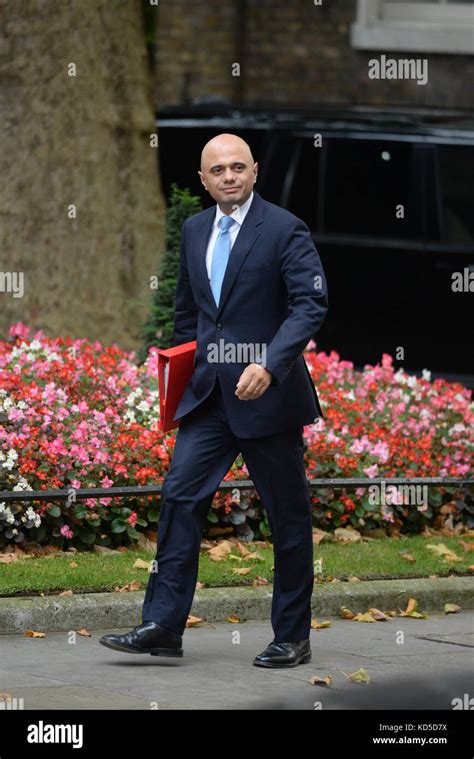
(226, 222)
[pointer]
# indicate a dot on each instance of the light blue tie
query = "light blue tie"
(220, 256)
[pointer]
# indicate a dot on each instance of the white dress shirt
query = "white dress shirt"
(239, 215)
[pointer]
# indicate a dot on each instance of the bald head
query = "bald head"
(225, 143)
(228, 171)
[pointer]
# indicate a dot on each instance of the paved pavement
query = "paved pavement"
(413, 664)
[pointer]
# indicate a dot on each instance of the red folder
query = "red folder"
(175, 369)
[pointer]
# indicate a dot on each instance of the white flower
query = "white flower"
(22, 484)
(143, 406)
(426, 374)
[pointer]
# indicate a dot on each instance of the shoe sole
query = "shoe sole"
(275, 665)
(175, 652)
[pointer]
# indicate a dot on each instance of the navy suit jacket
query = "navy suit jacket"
(274, 295)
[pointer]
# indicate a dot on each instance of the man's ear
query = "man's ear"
(201, 177)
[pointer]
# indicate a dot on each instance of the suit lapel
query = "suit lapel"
(248, 235)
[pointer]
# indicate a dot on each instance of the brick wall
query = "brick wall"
(289, 52)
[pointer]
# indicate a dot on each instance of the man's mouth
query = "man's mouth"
(230, 189)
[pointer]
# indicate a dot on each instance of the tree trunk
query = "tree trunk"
(81, 209)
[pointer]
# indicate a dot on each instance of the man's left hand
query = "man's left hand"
(253, 382)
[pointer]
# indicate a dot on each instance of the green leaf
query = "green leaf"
(118, 526)
(54, 511)
(87, 536)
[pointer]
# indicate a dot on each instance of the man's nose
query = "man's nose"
(228, 175)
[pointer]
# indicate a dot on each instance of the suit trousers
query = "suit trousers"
(205, 450)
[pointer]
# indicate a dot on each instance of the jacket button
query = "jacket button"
(219, 326)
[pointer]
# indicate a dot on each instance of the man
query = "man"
(249, 276)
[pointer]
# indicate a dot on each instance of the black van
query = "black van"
(388, 197)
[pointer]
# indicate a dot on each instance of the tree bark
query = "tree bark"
(77, 142)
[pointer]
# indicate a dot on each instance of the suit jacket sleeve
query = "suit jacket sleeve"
(306, 285)
(186, 311)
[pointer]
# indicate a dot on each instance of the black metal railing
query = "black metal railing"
(145, 490)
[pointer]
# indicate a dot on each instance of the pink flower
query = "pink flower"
(371, 471)
(19, 330)
(132, 520)
(66, 531)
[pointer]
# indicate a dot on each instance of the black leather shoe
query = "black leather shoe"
(284, 654)
(147, 638)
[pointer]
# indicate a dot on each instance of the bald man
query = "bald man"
(252, 293)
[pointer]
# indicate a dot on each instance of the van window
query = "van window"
(456, 168)
(369, 182)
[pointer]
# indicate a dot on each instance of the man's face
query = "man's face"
(228, 174)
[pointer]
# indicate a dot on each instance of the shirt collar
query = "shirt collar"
(239, 214)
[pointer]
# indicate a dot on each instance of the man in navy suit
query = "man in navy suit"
(252, 293)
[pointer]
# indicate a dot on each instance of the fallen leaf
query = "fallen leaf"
(141, 564)
(134, 585)
(260, 581)
(320, 625)
(192, 621)
(241, 570)
(346, 535)
(243, 550)
(34, 634)
(411, 610)
(467, 546)
(440, 549)
(353, 579)
(315, 680)
(6, 697)
(379, 616)
(366, 617)
(408, 557)
(236, 558)
(200, 585)
(84, 632)
(7, 558)
(73, 564)
(320, 535)
(360, 676)
(346, 613)
(220, 551)
(451, 608)
(66, 593)
(234, 619)
(255, 556)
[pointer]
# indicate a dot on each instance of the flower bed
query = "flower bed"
(78, 414)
